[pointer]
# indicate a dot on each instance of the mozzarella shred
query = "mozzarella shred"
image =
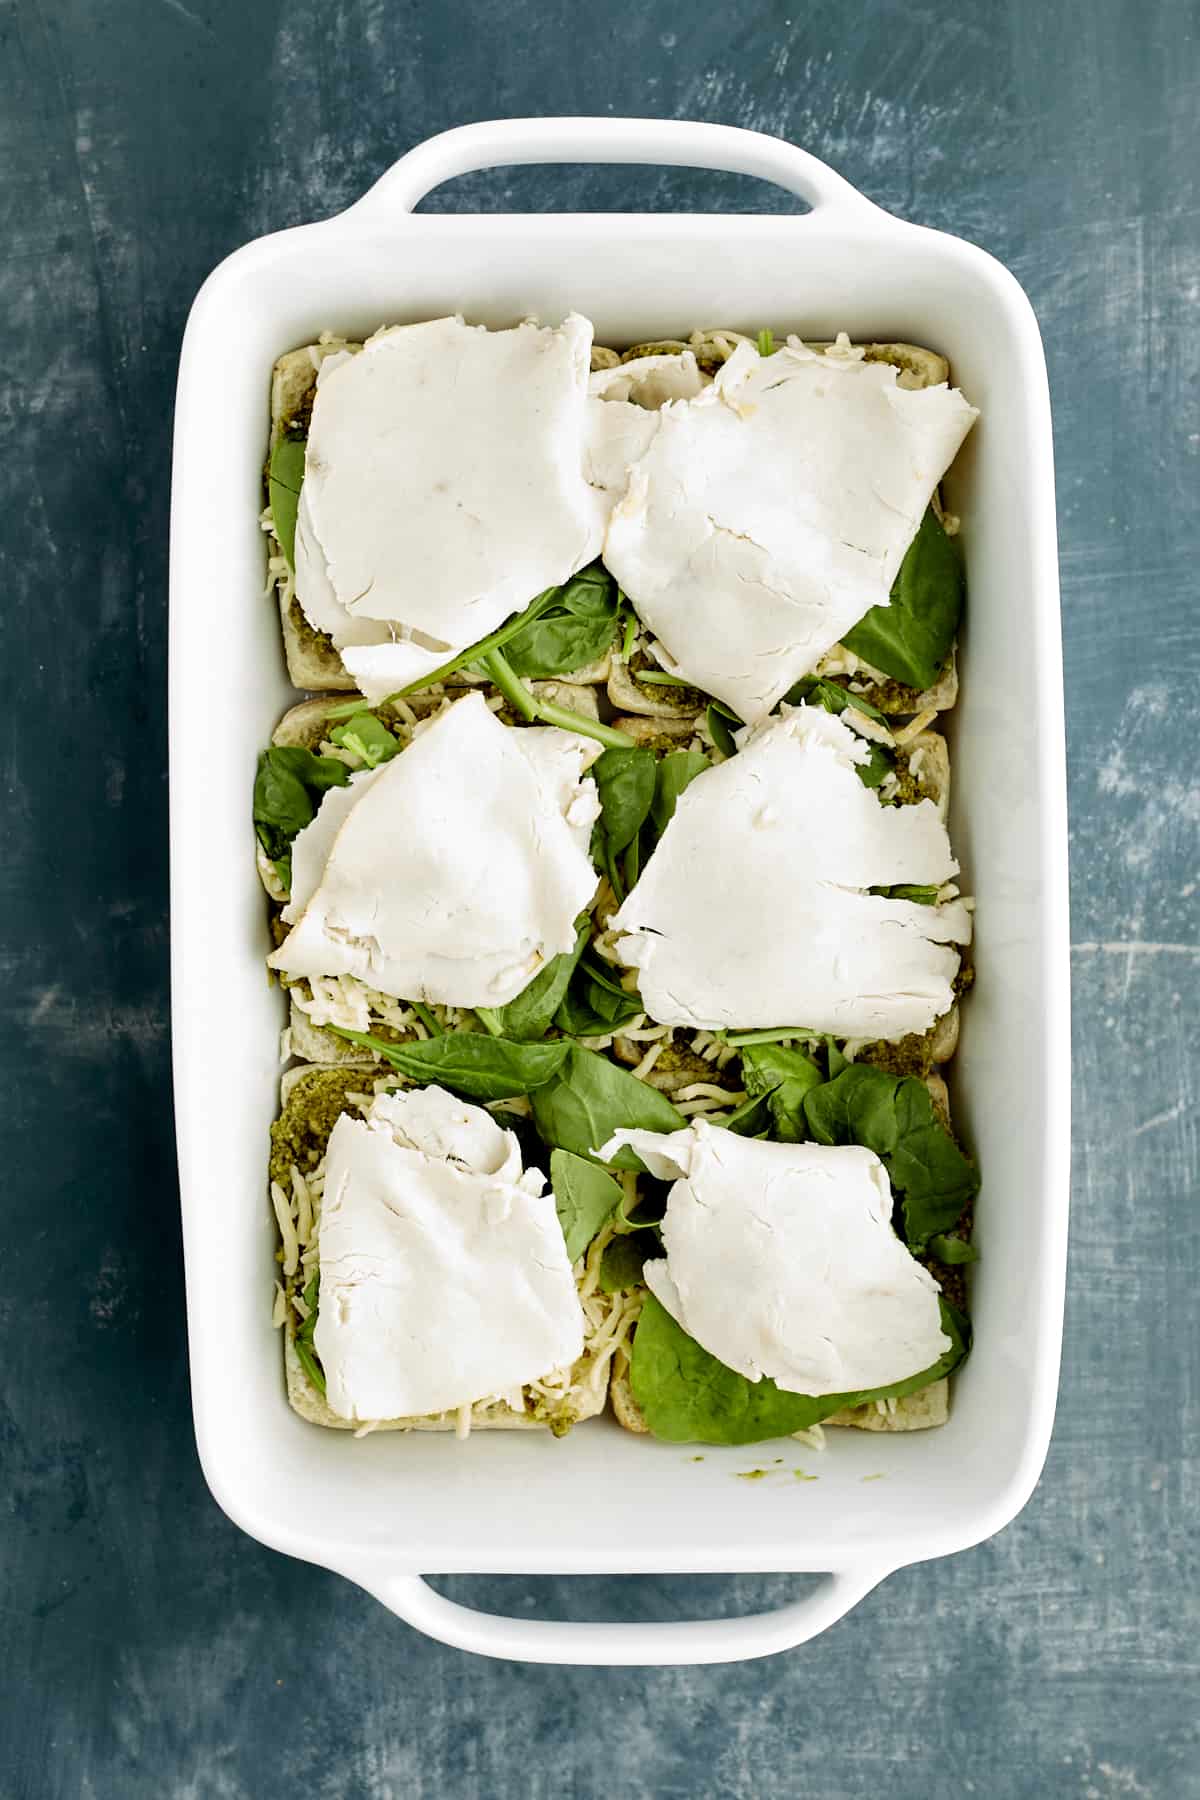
(444, 1275)
(443, 489)
(753, 910)
(781, 1261)
(455, 871)
(768, 514)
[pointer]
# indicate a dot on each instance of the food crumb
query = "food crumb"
(695, 1459)
(802, 1475)
(751, 1474)
(878, 1476)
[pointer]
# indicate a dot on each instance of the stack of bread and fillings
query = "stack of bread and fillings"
(610, 882)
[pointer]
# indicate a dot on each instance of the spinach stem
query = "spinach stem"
(660, 678)
(532, 708)
(426, 1017)
(462, 659)
(738, 1039)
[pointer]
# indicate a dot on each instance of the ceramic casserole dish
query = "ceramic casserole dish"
(383, 1510)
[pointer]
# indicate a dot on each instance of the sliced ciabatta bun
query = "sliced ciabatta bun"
(911, 1412)
(311, 1099)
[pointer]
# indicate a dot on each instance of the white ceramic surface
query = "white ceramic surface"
(386, 1508)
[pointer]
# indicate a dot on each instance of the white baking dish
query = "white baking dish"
(383, 1509)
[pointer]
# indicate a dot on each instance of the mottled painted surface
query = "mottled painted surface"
(148, 1649)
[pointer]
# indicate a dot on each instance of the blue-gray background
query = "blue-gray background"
(147, 1648)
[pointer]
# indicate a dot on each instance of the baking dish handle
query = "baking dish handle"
(650, 1645)
(687, 143)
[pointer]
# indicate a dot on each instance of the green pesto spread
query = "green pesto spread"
(665, 347)
(313, 1108)
(893, 697)
(557, 1416)
(308, 635)
(680, 699)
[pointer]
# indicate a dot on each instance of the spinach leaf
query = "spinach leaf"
(285, 478)
(687, 1396)
(595, 1004)
(305, 1349)
(626, 781)
(815, 690)
(921, 896)
(720, 722)
(585, 1196)
(911, 637)
(481, 1068)
(675, 773)
(952, 1250)
(751, 1119)
(575, 628)
(783, 1077)
(589, 1098)
(316, 772)
(531, 1013)
(369, 739)
(285, 783)
(877, 766)
(621, 1264)
(894, 1116)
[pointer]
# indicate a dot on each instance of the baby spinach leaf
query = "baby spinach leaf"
(878, 765)
(751, 1119)
(646, 1208)
(621, 1264)
(894, 1117)
(783, 1077)
(575, 628)
(285, 478)
(625, 780)
(589, 1098)
(285, 783)
(531, 1013)
(687, 1396)
(310, 1362)
(720, 722)
(369, 739)
(281, 805)
(467, 1062)
(911, 637)
(675, 773)
(921, 896)
(595, 1004)
(815, 690)
(952, 1250)
(766, 1067)
(585, 1196)
(316, 772)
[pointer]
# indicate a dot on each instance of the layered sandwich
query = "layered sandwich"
(611, 885)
